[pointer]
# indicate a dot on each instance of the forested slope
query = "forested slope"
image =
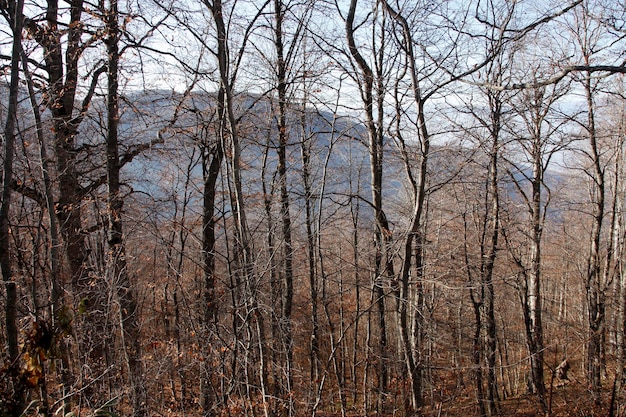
(312, 208)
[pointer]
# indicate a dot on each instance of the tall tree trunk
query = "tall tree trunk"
(244, 256)
(275, 288)
(321, 269)
(283, 136)
(60, 313)
(16, 20)
(533, 276)
(488, 258)
(212, 157)
(539, 147)
(593, 282)
(620, 268)
(383, 265)
(355, 209)
(129, 309)
(62, 50)
(489, 247)
(62, 65)
(414, 240)
(305, 152)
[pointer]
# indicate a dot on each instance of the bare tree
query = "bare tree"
(588, 35)
(62, 35)
(482, 234)
(420, 184)
(371, 88)
(63, 76)
(287, 47)
(620, 276)
(212, 157)
(118, 268)
(482, 222)
(537, 149)
(228, 133)
(14, 16)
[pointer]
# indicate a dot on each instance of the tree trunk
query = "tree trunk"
(60, 313)
(539, 146)
(16, 404)
(275, 288)
(129, 309)
(212, 157)
(63, 76)
(619, 294)
(533, 275)
(414, 240)
(489, 249)
(383, 265)
(283, 136)
(488, 257)
(62, 50)
(243, 254)
(305, 152)
(593, 282)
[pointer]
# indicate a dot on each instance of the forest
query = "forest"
(280, 208)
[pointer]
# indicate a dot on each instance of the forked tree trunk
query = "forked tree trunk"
(244, 257)
(413, 248)
(62, 49)
(383, 265)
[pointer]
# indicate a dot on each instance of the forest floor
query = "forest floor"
(568, 400)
